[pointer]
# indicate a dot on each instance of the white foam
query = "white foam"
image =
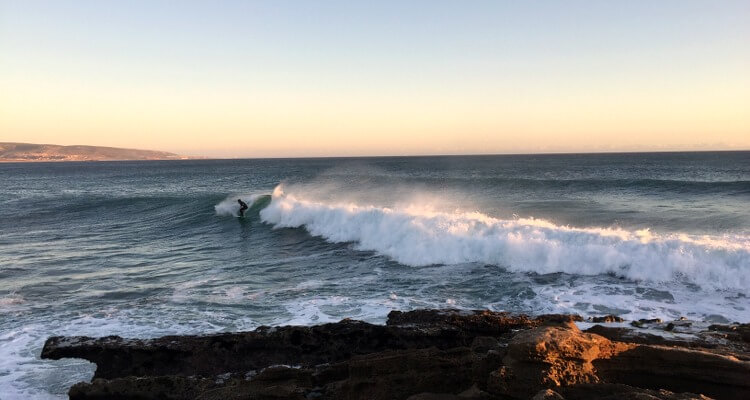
(229, 207)
(419, 236)
(184, 292)
(12, 302)
(324, 309)
(24, 376)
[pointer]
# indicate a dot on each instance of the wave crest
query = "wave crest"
(418, 236)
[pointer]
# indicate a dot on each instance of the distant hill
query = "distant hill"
(52, 152)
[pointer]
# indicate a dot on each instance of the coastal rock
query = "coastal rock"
(417, 355)
(607, 319)
(608, 391)
(622, 334)
(291, 345)
(547, 394)
(645, 322)
(479, 322)
(549, 357)
(400, 374)
(736, 332)
(678, 370)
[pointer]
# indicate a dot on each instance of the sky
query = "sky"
(284, 78)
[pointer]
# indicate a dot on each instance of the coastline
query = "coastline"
(31, 152)
(95, 160)
(426, 355)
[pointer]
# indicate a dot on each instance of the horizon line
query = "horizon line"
(203, 158)
(470, 154)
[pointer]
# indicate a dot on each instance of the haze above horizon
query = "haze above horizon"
(335, 78)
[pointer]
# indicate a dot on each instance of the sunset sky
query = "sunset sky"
(330, 78)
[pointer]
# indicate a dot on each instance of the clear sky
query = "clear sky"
(317, 78)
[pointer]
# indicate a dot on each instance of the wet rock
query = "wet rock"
(644, 322)
(547, 394)
(424, 354)
(735, 332)
(558, 319)
(607, 391)
(435, 396)
(474, 393)
(400, 374)
(606, 319)
(478, 322)
(640, 337)
(235, 352)
(678, 370)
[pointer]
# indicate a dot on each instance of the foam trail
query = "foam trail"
(416, 236)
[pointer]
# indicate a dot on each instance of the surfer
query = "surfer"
(243, 207)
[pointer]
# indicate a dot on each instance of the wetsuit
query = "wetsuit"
(243, 207)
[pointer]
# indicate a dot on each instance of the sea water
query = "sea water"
(144, 249)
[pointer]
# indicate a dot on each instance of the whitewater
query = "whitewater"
(419, 236)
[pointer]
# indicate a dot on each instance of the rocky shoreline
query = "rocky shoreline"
(425, 355)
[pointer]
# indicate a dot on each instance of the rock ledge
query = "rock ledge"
(419, 355)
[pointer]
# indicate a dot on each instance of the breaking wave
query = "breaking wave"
(229, 207)
(418, 236)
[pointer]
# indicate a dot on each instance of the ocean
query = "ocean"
(145, 249)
